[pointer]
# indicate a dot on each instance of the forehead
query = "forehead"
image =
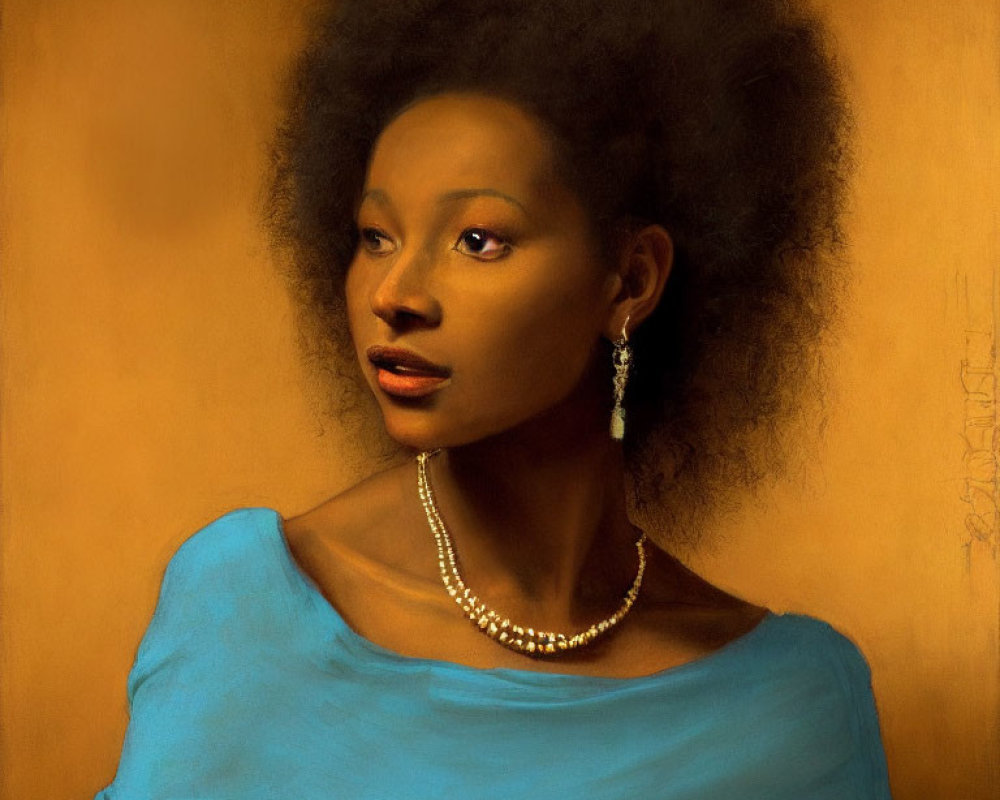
(467, 138)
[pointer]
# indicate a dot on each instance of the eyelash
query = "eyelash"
(504, 245)
(366, 236)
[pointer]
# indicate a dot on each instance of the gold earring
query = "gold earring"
(621, 358)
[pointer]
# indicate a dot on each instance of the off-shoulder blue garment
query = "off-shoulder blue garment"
(248, 685)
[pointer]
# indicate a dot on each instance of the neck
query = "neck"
(538, 514)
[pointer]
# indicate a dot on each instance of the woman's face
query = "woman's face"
(475, 256)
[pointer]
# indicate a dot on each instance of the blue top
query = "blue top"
(248, 684)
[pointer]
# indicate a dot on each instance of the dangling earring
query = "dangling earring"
(621, 358)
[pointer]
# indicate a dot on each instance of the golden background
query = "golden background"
(150, 380)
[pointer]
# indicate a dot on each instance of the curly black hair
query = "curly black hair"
(725, 121)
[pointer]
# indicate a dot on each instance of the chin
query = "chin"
(429, 433)
(423, 430)
(417, 434)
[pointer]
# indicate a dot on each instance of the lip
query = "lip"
(409, 385)
(418, 377)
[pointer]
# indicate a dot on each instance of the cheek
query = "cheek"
(357, 302)
(557, 348)
(540, 348)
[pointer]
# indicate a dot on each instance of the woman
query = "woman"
(578, 249)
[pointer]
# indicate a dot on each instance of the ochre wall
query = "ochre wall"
(150, 380)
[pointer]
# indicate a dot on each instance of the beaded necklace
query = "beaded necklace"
(498, 627)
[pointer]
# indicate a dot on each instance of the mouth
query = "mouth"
(404, 373)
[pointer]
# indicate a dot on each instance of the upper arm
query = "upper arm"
(855, 677)
(201, 619)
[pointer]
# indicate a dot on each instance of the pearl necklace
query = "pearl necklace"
(521, 639)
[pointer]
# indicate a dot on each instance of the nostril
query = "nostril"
(406, 311)
(404, 318)
(402, 296)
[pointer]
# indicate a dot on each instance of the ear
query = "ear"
(644, 262)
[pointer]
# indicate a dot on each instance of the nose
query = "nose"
(401, 298)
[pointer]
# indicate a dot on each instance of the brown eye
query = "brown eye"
(482, 244)
(375, 241)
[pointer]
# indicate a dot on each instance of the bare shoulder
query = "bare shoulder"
(371, 494)
(368, 551)
(368, 527)
(681, 610)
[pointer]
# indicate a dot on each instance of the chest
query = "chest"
(413, 616)
(362, 727)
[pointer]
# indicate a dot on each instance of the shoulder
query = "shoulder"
(815, 642)
(797, 649)
(683, 612)
(233, 541)
(236, 567)
(230, 584)
(367, 526)
(829, 684)
(808, 664)
(376, 498)
(221, 577)
(836, 660)
(683, 603)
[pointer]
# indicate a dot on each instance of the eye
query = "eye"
(375, 241)
(482, 244)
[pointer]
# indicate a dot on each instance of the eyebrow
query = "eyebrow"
(462, 194)
(380, 197)
(377, 195)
